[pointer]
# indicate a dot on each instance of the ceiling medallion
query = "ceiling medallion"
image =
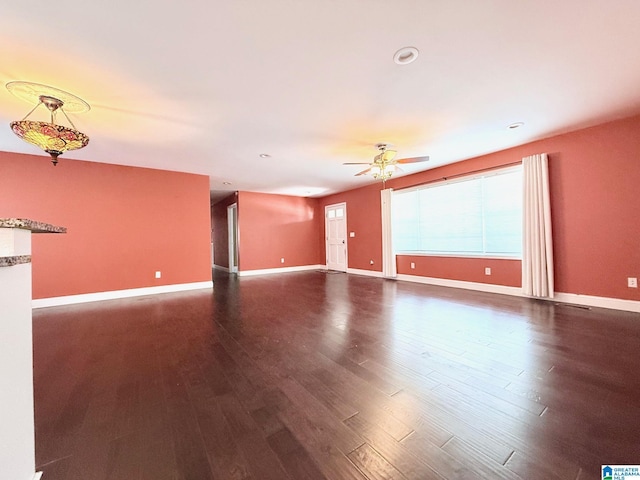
(51, 137)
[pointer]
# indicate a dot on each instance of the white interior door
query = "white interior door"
(335, 228)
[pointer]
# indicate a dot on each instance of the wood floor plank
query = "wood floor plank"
(437, 413)
(332, 400)
(368, 376)
(295, 459)
(225, 457)
(190, 453)
(261, 459)
(494, 402)
(482, 465)
(527, 436)
(319, 418)
(528, 467)
(410, 465)
(373, 403)
(374, 465)
(124, 458)
(330, 459)
(409, 373)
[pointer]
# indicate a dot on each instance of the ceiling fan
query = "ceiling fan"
(384, 164)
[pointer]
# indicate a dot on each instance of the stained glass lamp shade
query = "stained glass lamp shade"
(52, 138)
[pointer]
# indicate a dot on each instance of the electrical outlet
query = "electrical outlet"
(413, 265)
(632, 282)
(352, 234)
(487, 271)
(282, 260)
(370, 262)
(158, 274)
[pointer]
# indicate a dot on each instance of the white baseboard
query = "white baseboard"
(600, 302)
(571, 298)
(220, 267)
(114, 294)
(445, 282)
(37, 475)
(367, 273)
(268, 271)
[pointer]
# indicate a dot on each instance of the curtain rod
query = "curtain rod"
(480, 170)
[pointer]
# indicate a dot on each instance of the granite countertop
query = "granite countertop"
(35, 227)
(16, 260)
(25, 224)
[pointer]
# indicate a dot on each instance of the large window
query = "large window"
(479, 215)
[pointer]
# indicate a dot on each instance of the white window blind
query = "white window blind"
(479, 215)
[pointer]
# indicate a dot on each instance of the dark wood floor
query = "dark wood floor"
(312, 375)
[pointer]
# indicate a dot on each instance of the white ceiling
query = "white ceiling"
(206, 86)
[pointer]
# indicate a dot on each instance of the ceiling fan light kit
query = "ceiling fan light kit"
(51, 137)
(382, 172)
(384, 164)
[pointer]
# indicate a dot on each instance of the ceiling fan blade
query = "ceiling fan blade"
(357, 163)
(363, 172)
(413, 160)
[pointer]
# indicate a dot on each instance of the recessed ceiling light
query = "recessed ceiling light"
(226, 183)
(264, 155)
(515, 125)
(406, 55)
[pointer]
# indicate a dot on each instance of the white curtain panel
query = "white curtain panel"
(537, 248)
(388, 258)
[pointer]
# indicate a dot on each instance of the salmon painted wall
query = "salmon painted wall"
(503, 271)
(277, 226)
(363, 219)
(594, 175)
(124, 224)
(221, 230)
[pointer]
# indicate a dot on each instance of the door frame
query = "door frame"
(326, 235)
(234, 237)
